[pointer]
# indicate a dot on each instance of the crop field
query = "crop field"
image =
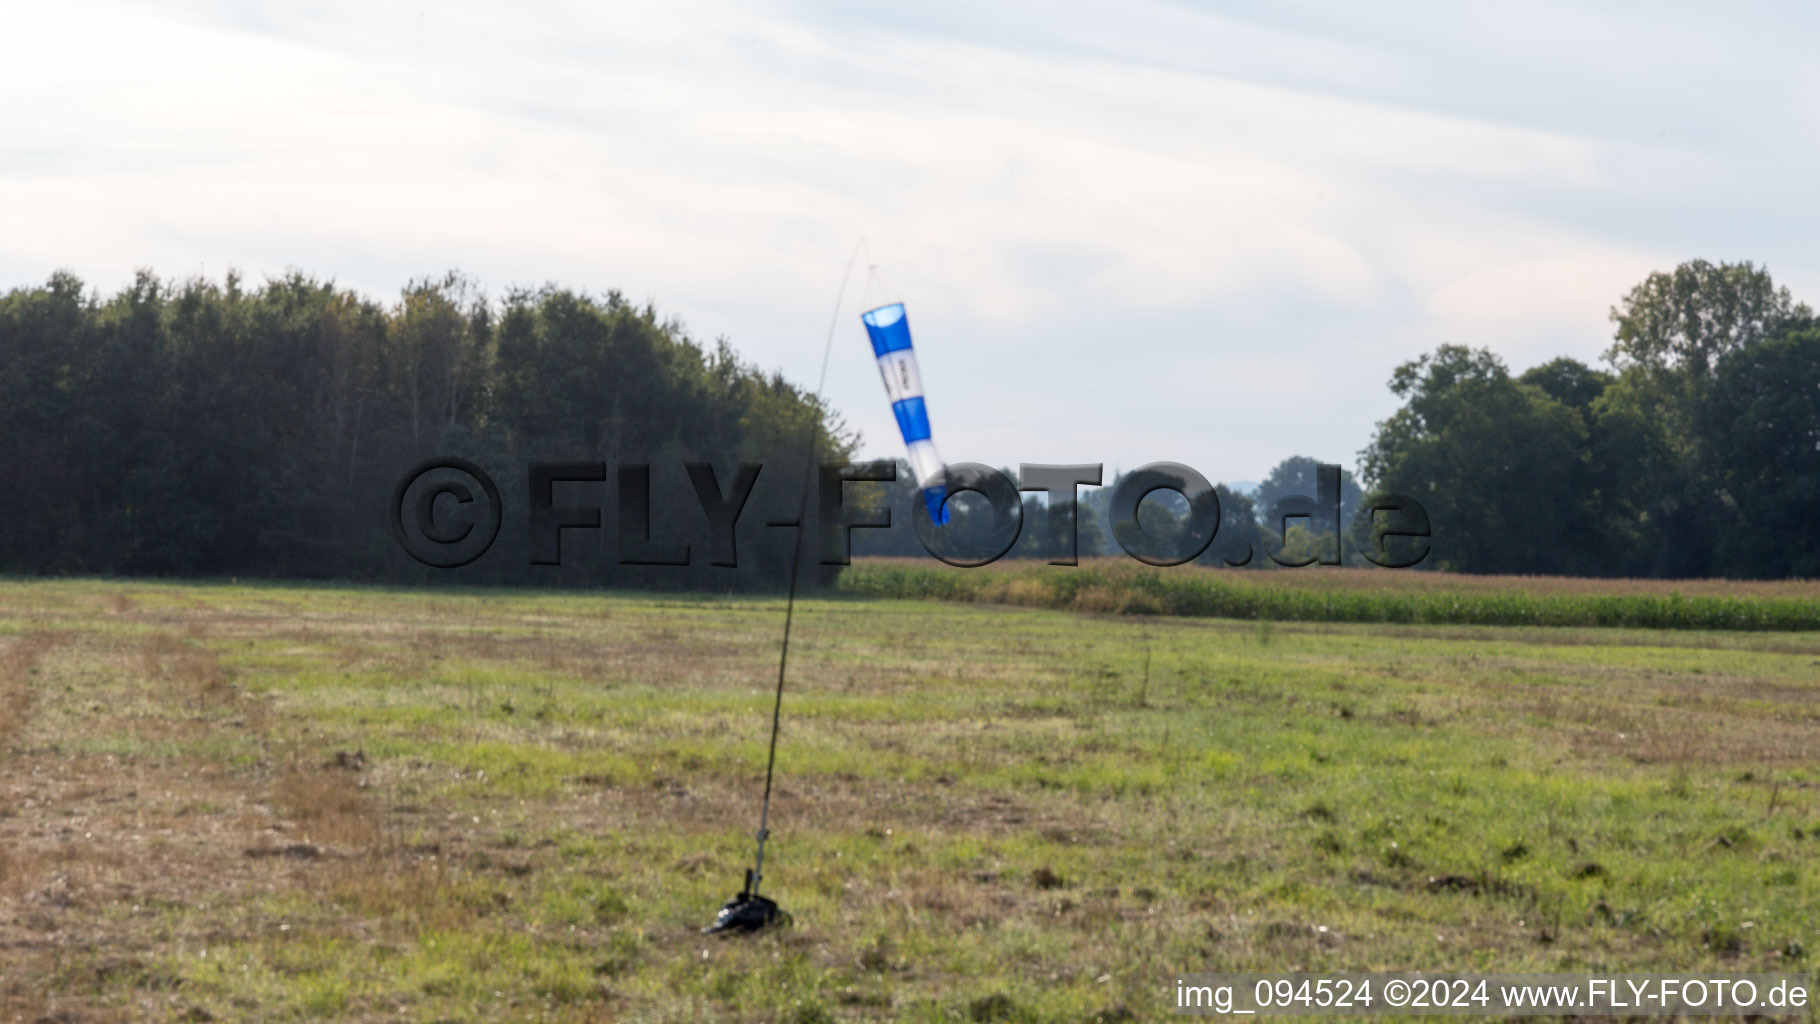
(288, 803)
(1314, 594)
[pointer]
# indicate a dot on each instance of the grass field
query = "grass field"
(291, 803)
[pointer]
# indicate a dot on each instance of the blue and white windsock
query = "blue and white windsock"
(889, 329)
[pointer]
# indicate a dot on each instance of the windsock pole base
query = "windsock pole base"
(746, 912)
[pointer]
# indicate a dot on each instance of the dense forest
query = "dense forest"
(204, 429)
(197, 428)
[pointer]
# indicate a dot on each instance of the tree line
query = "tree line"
(1244, 538)
(1695, 451)
(195, 428)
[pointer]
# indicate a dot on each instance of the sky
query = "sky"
(1125, 233)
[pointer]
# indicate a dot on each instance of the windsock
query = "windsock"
(889, 329)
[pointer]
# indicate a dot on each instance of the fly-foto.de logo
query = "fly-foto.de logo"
(446, 512)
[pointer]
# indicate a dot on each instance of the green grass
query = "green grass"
(298, 803)
(1348, 595)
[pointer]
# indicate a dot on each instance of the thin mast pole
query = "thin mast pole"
(796, 558)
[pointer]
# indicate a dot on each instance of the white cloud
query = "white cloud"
(1147, 214)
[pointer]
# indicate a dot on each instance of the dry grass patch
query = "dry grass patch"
(17, 662)
(327, 806)
(187, 668)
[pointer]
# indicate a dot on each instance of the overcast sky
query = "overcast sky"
(1125, 232)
